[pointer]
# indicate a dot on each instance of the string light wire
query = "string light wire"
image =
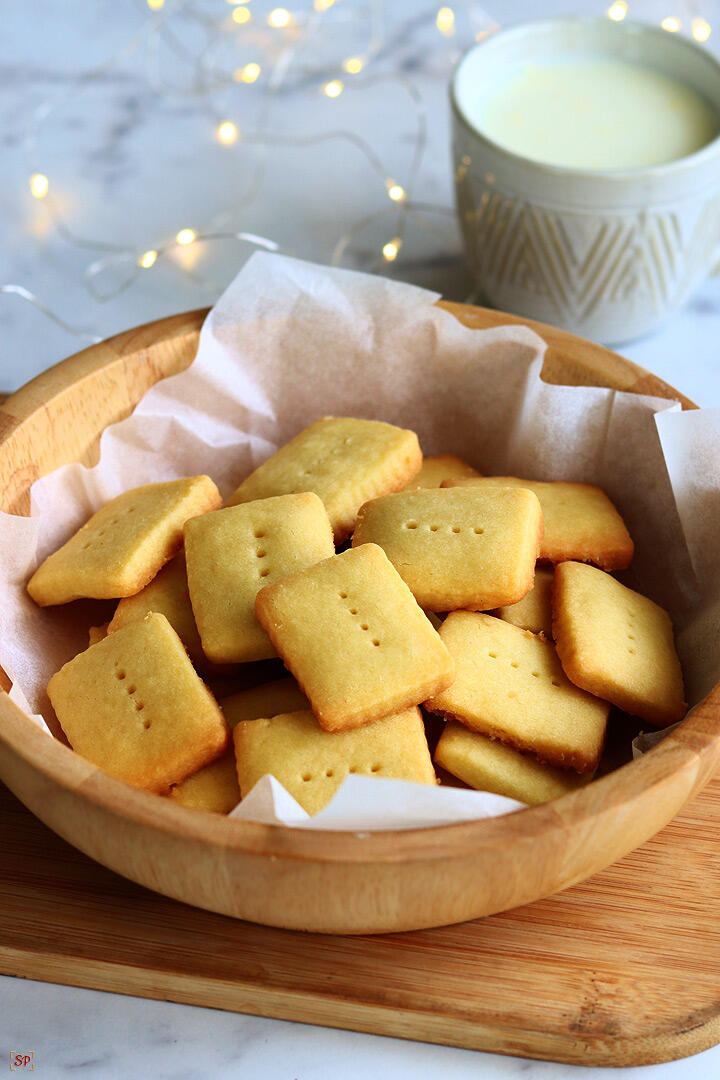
(297, 32)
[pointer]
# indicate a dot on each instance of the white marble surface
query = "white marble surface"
(130, 164)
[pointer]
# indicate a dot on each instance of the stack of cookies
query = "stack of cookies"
(488, 601)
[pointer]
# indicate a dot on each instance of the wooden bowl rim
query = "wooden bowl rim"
(681, 750)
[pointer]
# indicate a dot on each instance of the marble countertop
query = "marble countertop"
(120, 113)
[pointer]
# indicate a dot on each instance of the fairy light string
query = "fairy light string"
(282, 40)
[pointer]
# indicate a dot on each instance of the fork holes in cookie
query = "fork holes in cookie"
(375, 768)
(411, 525)
(536, 674)
(261, 553)
(329, 773)
(555, 682)
(343, 595)
(478, 532)
(120, 674)
(264, 573)
(131, 690)
(375, 641)
(353, 611)
(433, 528)
(364, 626)
(139, 706)
(306, 776)
(146, 724)
(514, 664)
(456, 528)
(631, 651)
(259, 533)
(493, 655)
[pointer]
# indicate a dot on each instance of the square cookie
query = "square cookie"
(168, 595)
(134, 706)
(353, 636)
(580, 522)
(213, 789)
(268, 699)
(457, 547)
(490, 765)
(617, 644)
(231, 554)
(122, 547)
(534, 611)
(435, 470)
(311, 763)
(510, 685)
(344, 461)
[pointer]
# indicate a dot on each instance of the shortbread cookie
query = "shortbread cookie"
(268, 699)
(352, 635)
(344, 461)
(617, 644)
(122, 547)
(214, 788)
(435, 470)
(168, 595)
(311, 763)
(490, 765)
(534, 611)
(134, 706)
(97, 633)
(231, 554)
(580, 522)
(459, 547)
(510, 685)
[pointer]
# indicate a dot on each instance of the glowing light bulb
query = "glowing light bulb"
(395, 191)
(617, 11)
(247, 74)
(227, 132)
(155, 5)
(333, 89)
(672, 24)
(147, 259)
(241, 15)
(391, 249)
(701, 29)
(39, 185)
(353, 65)
(445, 21)
(186, 236)
(279, 17)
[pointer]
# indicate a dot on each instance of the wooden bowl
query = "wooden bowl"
(329, 882)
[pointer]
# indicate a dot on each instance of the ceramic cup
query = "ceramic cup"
(607, 254)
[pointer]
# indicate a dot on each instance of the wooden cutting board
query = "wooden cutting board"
(623, 969)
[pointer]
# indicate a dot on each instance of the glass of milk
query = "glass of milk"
(587, 170)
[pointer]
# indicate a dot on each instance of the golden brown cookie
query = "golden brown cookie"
(134, 706)
(579, 520)
(510, 685)
(311, 763)
(233, 553)
(435, 470)
(354, 638)
(459, 547)
(616, 643)
(344, 461)
(123, 546)
(534, 611)
(490, 765)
